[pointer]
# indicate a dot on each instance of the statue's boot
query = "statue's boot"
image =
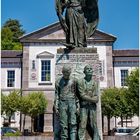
(73, 132)
(73, 136)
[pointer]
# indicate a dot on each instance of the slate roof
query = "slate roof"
(124, 53)
(11, 54)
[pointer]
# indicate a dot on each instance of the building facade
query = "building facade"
(38, 59)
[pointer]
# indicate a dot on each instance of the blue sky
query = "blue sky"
(117, 17)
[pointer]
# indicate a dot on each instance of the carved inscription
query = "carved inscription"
(78, 62)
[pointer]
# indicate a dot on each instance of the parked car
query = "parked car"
(135, 132)
(123, 131)
(5, 130)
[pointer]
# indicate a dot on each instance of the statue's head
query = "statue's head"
(88, 71)
(66, 70)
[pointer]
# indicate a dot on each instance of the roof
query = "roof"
(124, 53)
(11, 54)
(54, 33)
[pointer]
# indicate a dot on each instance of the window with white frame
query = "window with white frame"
(124, 74)
(45, 70)
(10, 78)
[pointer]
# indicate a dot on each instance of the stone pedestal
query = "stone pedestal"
(78, 58)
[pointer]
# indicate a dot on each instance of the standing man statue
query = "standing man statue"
(88, 99)
(81, 19)
(66, 105)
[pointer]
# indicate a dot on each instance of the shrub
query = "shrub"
(18, 133)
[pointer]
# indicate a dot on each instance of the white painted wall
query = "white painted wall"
(33, 52)
(117, 73)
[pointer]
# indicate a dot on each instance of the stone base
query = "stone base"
(78, 58)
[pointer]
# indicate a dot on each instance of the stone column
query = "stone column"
(110, 78)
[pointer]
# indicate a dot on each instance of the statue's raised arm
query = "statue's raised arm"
(80, 22)
(60, 6)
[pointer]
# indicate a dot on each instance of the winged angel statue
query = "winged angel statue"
(80, 22)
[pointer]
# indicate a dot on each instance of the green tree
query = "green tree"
(10, 103)
(123, 108)
(10, 33)
(133, 88)
(15, 27)
(3, 104)
(24, 107)
(6, 39)
(109, 103)
(37, 105)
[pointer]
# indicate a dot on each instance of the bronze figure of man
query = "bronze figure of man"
(88, 99)
(81, 19)
(66, 105)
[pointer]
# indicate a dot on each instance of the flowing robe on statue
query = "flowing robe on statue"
(81, 19)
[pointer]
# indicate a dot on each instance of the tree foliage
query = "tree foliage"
(10, 33)
(115, 103)
(10, 103)
(108, 101)
(32, 105)
(6, 39)
(3, 104)
(133, 88)
(37, 103)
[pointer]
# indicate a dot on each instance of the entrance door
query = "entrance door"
(39, 123)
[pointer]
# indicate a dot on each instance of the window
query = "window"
(33, 64)
(45, 70)
(11, 78)
(124, 74)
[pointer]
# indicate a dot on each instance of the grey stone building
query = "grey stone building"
(39, 50)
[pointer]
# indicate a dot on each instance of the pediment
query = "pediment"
(55, 32)
(45, 54)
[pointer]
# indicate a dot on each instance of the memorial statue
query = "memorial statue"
(88, 94)
(80, 22)
(66, 105)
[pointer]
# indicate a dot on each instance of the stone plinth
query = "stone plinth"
(78, 58)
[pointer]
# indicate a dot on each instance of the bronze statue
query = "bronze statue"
(80, 22)
(66, 105)
(88, 98)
